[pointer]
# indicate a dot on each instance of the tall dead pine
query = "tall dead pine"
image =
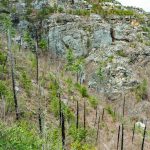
(63, 131)
(97, 135)
(118, 137)
(103, 114)
(84, 116)
(60, 117)
(40, 121)
(123, 111)
(37, 61)
(77, 115)
(133, 132)
(13, 75)
(122, 138)
(95, 116)
(142, 148)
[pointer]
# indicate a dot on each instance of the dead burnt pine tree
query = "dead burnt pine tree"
(133, 132)
(122, 138)
(40, 122)
(84, 117)
(98, 129)
(95, 115)
(118, 137)
(37, 58)
(77, 77)
(60, 117)
(123, 107)
(142, 148)
(77, 116)
(13, 76)
(103, 114)
(63, 131)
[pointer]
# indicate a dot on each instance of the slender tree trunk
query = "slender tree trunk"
(122, 139)
(37, 62)
(77, 77)
(63, 131)
(13, 76)
(118, 137)
(84, 115)
(142, 148)
(20, 43)
(133, 133)
(97, 136)
(60, 113)
(40, 122)
(77, 116)
(95, 115)
(123, 107)
(103, 114)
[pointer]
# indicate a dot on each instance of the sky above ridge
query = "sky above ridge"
(145, 4)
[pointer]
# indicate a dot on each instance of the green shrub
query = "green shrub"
(82, 89)
(100, 73)
(69, 85)
(60, 10)
(111, 112)
(3, 88)
(93, 101)
(141, 90)
(28, 39)
(2, 57)
(43, 44)
(54, 138)
(146, 29)
(121, 53)
(77, 134)
(26, 82)
(18, 137)
(54, 106)
(81, 146)
(70, 59)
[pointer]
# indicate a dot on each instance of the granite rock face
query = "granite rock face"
(78, 34)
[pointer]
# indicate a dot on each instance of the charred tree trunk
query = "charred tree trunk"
(123, 107)
(77, 116)
(63, 131)
(40, 122)
(20, 43)
(98, 129)
(60, 113)
(118, 137)
(95, 115)
(84, 117)
(103, 114)
(77, 77)
(122, 138)
(133, 132)
(142, 148)
(13, 77)
(37, 58)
